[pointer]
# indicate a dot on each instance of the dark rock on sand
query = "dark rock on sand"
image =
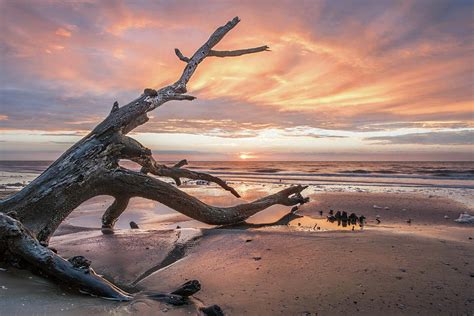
(213, 310)
(189, 288)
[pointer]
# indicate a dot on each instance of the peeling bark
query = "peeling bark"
(91, 167)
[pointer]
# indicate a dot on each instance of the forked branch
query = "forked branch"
(133, 150)
(225, 53)
(141, 185)
(132, 115)
(179, 87)
(177, 173)
(239, 52)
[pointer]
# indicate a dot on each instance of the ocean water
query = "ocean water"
(445, 174)
(452, 179)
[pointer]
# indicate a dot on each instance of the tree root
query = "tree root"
(74, 273)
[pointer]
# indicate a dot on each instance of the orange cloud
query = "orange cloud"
(63, 32)
(331, 66)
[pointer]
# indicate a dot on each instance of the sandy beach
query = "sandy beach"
(218, 158)
(393, 268)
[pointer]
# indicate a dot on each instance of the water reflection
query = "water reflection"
(152, 215)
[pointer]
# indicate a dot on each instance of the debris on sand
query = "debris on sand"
(133, 225)
(377, 218)
(465, 218)
(213, 310)
(377, 207)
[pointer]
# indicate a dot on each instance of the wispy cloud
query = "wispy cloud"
(333, 68)
(464, 137)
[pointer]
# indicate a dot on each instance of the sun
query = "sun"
(245, 156)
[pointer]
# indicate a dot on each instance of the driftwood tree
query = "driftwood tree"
(91, 167)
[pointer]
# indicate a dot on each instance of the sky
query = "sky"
(343, 80)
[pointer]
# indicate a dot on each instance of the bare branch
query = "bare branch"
(133, 150)
(201, 53)
(137, 121)
(181, 163)
(182, 97)
(138, 184)
(181, 56)
(128, 117)
(177, 173)
(239, 52)
(113, 212)
(283, 221)
(115, 107)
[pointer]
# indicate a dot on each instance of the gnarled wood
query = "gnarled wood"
(74, 272)
(91, 167)
(138, 184)
(79, 174)
(114, 211)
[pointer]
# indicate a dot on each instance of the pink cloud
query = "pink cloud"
(331, 65)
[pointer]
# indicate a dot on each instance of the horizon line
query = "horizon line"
(255, 160)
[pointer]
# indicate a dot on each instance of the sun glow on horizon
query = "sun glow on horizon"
(343, 91)
(246, 156)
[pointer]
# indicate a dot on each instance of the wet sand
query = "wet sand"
(393, 209)
(389, 268)
(328, 273)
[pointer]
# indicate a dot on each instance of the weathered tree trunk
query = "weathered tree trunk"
(91, 168)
